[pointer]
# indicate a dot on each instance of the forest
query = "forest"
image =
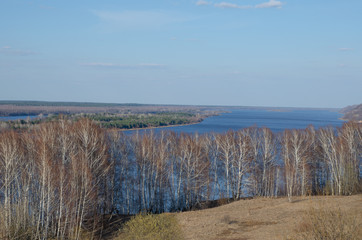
(60, 178)
(119, 121)
(145, 120)
(107, 115)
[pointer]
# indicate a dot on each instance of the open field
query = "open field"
(261, 218)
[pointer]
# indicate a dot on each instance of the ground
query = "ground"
(261, 218)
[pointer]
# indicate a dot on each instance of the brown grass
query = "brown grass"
(151, 227)
(264, 218)
(326, 222)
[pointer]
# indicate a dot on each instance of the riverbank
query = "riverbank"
(148, 128)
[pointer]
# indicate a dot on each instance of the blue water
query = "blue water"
(276, 121)
(24, 117)
(241, 118)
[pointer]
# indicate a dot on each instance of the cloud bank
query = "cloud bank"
(231, 5)
(269, 4)
(202, 3)
(346, 49)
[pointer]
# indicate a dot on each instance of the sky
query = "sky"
(287, 53)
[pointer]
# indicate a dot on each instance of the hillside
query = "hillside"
(261, 218)
(352, 113)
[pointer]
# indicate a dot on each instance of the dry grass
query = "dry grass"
(264, 218)
(151, 227)
(328, 222)
(309, 218)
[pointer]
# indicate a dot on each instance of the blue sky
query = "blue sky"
(229, 52)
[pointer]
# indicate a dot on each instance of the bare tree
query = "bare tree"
(10, 160)
(241, 162)
(225, 145)
(330, 144)
(268, 159)
(350, 147)
(90, 165)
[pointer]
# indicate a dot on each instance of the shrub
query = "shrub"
(328, 224)
(151, 227)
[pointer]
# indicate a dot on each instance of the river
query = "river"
(22, 117)
(277, 121)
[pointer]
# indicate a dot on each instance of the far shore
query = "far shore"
(347, 120)
(135, 129)
(168, 126)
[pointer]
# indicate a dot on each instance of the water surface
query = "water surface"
(22, 117)
(275, 120)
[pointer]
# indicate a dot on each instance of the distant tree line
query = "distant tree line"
(59, 178)
(120, 121)
(26, 108)
(130, 121)
(68, 104)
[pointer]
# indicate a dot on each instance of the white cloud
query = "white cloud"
(125, 66)
(270, 4)
(231, 5)
(202, 3)
(345, 49)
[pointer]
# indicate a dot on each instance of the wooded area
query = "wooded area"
(119, 121)
(58, 179)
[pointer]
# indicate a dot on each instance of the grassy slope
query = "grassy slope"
(260, 218)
